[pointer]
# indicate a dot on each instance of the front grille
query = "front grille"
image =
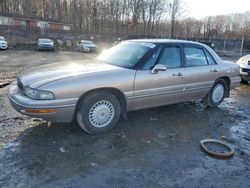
(45, 45)
(245, 70)
(19, 84)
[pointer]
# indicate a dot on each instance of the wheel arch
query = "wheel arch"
(116, 92)
(228, 82)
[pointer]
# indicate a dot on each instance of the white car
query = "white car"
(244, 63)
(86, 46)
(3, 43)
(45, 44)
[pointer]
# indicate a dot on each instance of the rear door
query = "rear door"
(164, 87)
(201, 70)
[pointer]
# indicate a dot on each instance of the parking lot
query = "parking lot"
(157, 147)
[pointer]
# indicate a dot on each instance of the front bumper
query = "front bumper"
(46, 47)
(63, 109)
(3, 46)
(89, 49)
(245, 74)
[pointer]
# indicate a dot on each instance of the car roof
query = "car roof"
(86, 41)
(165, 41)
(171, 41)
(246, 56)
(44, 39)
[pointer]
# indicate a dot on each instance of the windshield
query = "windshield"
(88, 42)
(44, 41)
(125, 54)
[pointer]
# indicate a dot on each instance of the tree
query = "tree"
(176, 11)
(157, 18)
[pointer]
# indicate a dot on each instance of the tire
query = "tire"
(217, 93)
(98, 112)
(244, 81)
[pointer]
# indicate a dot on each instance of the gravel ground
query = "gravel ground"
(156, 147)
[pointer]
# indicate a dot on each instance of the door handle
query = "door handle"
(177, 74)
(213, 70)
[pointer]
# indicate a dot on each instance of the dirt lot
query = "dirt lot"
(156, 147)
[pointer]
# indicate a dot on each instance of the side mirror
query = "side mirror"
(157, 68)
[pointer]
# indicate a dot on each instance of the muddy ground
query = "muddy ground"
(156, 147)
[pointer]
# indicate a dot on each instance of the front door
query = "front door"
(163, 87)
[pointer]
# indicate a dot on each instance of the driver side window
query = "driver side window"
(171, 57)
(151, 62)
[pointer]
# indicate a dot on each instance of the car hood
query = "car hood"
(246, 56)
(228, 62)
(39, 76)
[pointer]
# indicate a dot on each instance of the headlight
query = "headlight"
(37, 94)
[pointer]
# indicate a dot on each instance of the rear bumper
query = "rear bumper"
(64, 109)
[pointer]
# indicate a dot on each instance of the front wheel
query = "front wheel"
(216, 94)
(244, 80)
(98, 112)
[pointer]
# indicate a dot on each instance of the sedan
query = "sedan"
(134, 74)
(86, 46)
(45, 44)
(244, 63)
(3, 43)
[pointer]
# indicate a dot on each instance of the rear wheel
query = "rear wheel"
(217, 93)
(98, 112)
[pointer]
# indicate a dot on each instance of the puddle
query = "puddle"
(2, 85)
(241, 133)
(11, 144)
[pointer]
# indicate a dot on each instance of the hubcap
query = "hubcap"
(101, 113)
(218, 93)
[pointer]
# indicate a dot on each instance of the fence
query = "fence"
(17, 35)
(227, 47)
(28, 34)
(234, 48)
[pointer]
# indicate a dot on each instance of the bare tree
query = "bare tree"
(158, 18)
(176, 11)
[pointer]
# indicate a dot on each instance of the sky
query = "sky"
(201, 8)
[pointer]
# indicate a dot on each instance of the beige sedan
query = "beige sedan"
(132, 75)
